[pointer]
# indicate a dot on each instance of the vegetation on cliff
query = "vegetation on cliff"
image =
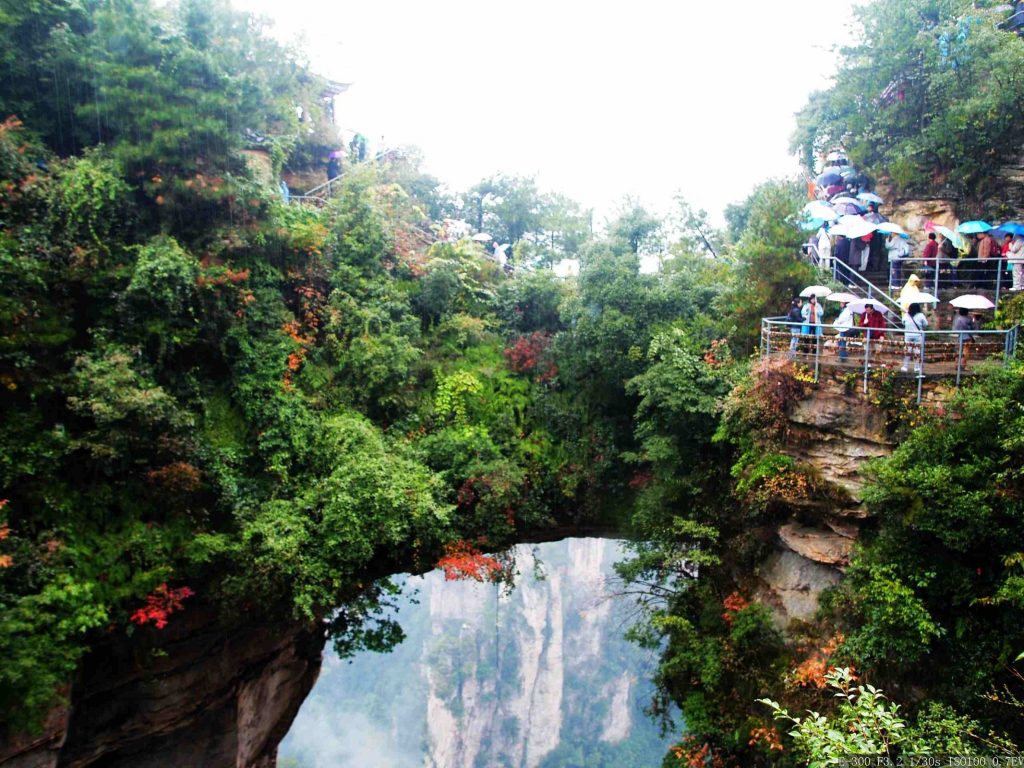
(927, 98)
(207, 394)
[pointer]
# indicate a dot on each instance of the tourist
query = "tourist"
(842, 250)
(824, 246)
(795, 318)
(931, 251)
(1015, 257)
(912, 288)
(859, 253)
(914, 324)
(874, 321)
(988, 252)
(947, 257)
(811, 315)
(964, 324)
(877, 246)
(846, 325)
(898, 249)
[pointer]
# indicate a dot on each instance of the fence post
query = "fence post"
(999, 279)
(817, 351)
(920, 372)
(959, 358)
(937, 265)
(867, 356)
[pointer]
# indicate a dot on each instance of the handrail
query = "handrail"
(903, 352)
(957, 272)
(873, 291)
(326, 185)
(838, 267)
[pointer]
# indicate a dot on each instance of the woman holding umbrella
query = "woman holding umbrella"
(812, 319)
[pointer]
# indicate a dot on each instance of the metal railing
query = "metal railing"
(326, 188)
(967, 274)
(913, 354)
(843, 273)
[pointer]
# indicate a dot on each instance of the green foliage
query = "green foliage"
(768, 270)
(940, 575)
(863, 724)
(454, 395)
(953, 80)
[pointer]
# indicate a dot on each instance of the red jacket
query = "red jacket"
(931, 250)
(875, 321)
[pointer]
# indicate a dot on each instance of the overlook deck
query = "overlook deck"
(929, 354)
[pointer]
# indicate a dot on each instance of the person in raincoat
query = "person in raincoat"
(824, 246)
(912, 287)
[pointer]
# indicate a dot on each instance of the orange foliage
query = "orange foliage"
(733, 604)
(463, 561)
(717, 354)
(161, 604)
(768, 736)
(178, 476)
(693, 754)
(810, 673)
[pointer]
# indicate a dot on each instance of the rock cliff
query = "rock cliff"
(204, 695)
(835, 430)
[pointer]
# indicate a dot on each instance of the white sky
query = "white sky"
(596, 99)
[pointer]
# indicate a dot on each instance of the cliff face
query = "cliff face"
(204, 696)
(836, 430)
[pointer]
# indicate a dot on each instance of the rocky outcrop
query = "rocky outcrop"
(835, 430)
(202, 695)
(913, 214)
(791, 585)
(819, 545)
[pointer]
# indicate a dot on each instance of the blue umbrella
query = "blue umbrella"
(828, 178)
(973, 227)
(1011, 228)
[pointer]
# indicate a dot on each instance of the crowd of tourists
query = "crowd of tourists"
(851, 230)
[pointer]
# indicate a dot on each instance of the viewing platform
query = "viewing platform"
(945, 354)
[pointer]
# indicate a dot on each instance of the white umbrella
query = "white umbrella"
(816, 290)
(917, 298)
(842, 298)
(818, 209)
(482, 237)
(857, 307)
(891, 228)
(956, 237)
(870, 197)
(972, 301)
(853, 227)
